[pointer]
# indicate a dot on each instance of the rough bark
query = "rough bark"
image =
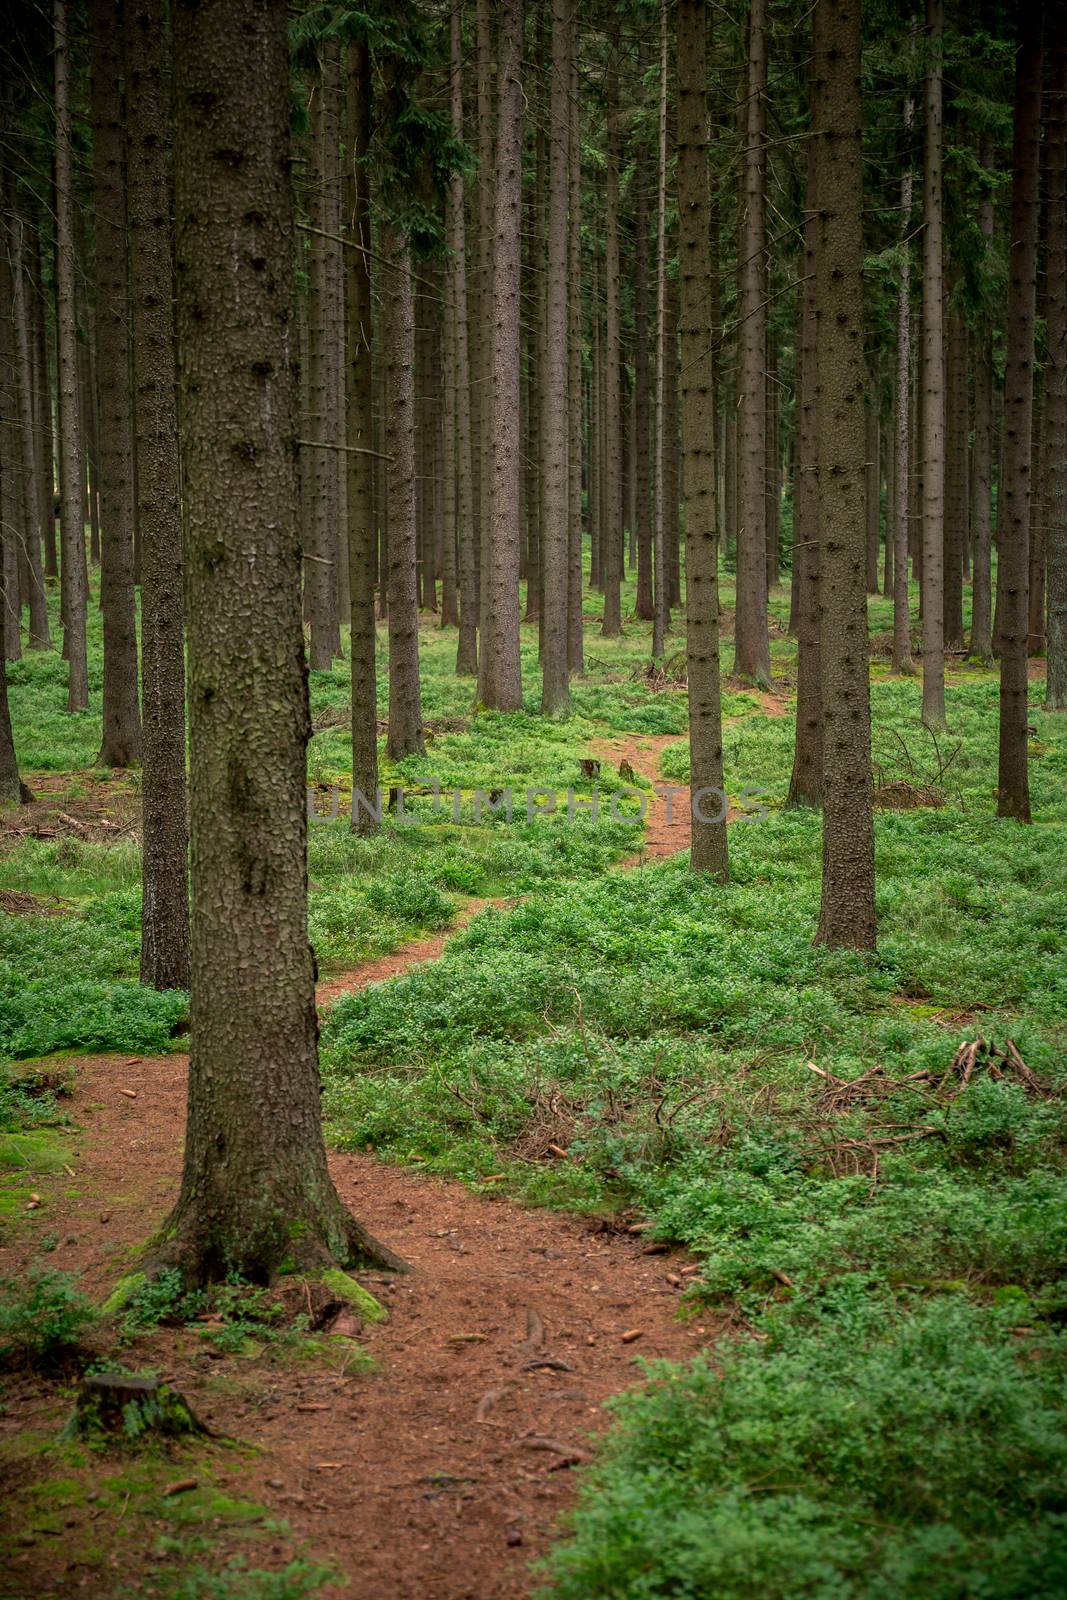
(466, 529)
(660, 586)
(359, 434)
(902, 661)
(709, 850)
(805, 784)
(846, 915)
(1013, 783)
(933, 387)
(71, 525)
(555, 423)
(113, 456)
(499, 671)
(39, 634)
(752, 657)
(398, 347)
(575, 636)
(612, 547)
(165, 876)
(643, 608)
(1056, 371)
(256, 1195)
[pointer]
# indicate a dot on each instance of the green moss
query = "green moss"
(122, 1293)
(352, 1293)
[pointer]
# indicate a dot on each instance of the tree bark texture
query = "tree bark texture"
(933, 387)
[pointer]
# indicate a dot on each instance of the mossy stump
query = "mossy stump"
(122, 1405)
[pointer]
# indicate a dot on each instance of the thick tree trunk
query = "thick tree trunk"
(72, 525)
(359, 434)
(1013, 782)
(846, 915)
(902, 661)
(398, 346)
(709, 850)
(555, 423)
(611, 552)
(933, 386)
(1056, 372)
(752, 640)
(499, 670)
(805, 784)
(165, 880)
(256, 1195)
(467, 529)
(113, 456)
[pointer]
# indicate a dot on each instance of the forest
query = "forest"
(533, 799)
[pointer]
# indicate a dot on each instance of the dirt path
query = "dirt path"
(430, 1476)
(442, 1472)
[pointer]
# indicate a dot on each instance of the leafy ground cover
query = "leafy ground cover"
(880, 1215)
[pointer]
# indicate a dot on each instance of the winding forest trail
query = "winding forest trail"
(442, 1471)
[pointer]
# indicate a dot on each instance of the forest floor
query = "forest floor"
(611, 1114)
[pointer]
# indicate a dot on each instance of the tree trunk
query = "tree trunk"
(709, 850)
(933, 386)
(467, 646)
(318, 461)
(499, 670)
(956, 438)
(805, 784)
(902, 661)
(165, 881)
(256, 1196)
(643, 607)
(611, 553)
(39, 635)
(359, 434)
(1015, 486)
(1056, 373)
(72, 525)
(575, 635)
(10, 517)
(555, 423)
(42, 402)
(752, 657)
(113, 456)
(1036, 582)
(398, 346)
(672, 465)
(661, 587)
(596, 454)
(846, 915)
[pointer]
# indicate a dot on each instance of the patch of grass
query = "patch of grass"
(42, 1319)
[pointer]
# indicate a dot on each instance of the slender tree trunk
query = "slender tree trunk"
(956, 433)
(72, 525)
(11, 791)
(42, 398)
(661, 586)
(499, 670)
(39, 635)
(359, 434)
(773, 469)
(611, 554)
(555, 426)
(10, 514)
(672, 467)
(596, 455)
(902, 661)
(113, 457)
(1015, 486)
(575, 637)
(846, 916)
(933, 385)
(450, 458)
(805, 784)
(256, 1194)
(398, 346)
(873, 484)
(318, 461)
(165, 880)
(752, 657)
(467, 646)
(643, 607)
(709, 850)
(1036, 582)
(484, 342)
(1056, 372)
